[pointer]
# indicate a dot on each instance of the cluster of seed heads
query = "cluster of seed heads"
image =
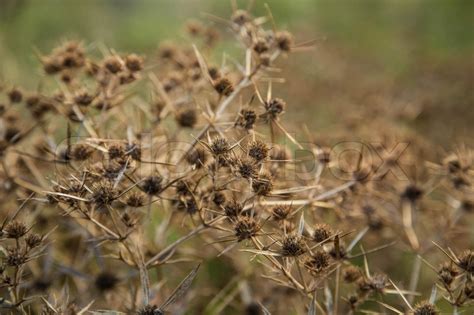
(172, 159)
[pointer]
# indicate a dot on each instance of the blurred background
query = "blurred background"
(410, 61)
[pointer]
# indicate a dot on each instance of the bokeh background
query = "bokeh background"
(410, 60)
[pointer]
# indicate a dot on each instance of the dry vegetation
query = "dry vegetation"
(122, 175)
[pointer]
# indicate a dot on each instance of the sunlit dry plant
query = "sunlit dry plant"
(126, 170)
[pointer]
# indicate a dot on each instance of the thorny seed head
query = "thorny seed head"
(260, 46)
(152, 185)
(15, 229)
(293, 245)
(223, 86)
(466, 261)
(281, 212)
(135, 200)
(246, 168)
(83, 98)
(219, 146)
(80, 152)
(262, 185)
(258, 150)
(112, 169)
(134, 63)
(376, 283)
(15, 95)
(104, 195)
(134, 151)
(425, 308)
(51, 65)
(183, 188)
(245, 228)
(188, 204)
(469, 289)
(197, 157)
(446, 273)
(218, 198)
(15, 257)
(246, 119)
(33, 240)
(273, 108)
(116, 151)
(322, 232)
(240, 17)
(232, 209)
(284, 40)
(113, 64)
(317, 262)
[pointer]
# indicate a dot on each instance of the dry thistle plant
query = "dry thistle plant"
(123, 173)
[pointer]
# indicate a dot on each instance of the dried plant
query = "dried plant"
(132, 170)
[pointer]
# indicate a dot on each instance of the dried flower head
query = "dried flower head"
(246, 168)
(322, 232)
(425, 308)
(284, 40)
(240, 17)
(273, 109)
(15, 229)
(223, 86)
(134, 63)
(197, 157)
(281, 212)
(219, 146)
(466, 261)
(135, 200)
(152, 185)
(15, 257)
(246, 119)
(33, 240)
(15, 95)
(293, 245)
(446, 273)
(317, 262)
(258, 150)
(245, 228)
(262, 185)
(260, 46)
(116, 151)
